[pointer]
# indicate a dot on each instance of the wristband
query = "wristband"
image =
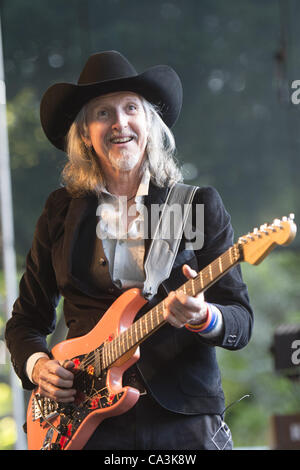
(213, 322)
(201, 326)
(208, 324)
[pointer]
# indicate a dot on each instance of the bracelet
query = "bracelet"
(201, 326)
(208, 324)
(212, 324)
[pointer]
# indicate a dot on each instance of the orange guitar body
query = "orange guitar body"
(109, 399)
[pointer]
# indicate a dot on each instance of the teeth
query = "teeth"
(120, 140)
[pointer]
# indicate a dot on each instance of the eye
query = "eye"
(132, 107)
(101, 113)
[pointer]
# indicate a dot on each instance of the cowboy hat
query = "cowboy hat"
(108, 72)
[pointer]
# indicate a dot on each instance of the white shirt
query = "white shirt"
(124, 249)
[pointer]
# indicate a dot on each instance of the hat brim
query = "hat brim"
(61, 103)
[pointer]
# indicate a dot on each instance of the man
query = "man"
(115, 128)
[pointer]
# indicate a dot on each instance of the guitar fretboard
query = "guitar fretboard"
(154, 319)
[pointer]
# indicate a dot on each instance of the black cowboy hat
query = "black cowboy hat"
(108, 72)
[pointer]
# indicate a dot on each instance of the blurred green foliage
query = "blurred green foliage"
(275, 297)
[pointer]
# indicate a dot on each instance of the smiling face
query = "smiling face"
(117, 130)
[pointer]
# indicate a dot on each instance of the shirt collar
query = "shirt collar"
(143, 189)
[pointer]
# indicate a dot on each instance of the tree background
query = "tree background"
(238, 131)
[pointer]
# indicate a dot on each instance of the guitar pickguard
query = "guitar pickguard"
(92, 394)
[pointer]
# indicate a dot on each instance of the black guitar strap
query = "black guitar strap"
(167, 237)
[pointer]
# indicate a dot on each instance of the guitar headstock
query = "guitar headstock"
(255, 246)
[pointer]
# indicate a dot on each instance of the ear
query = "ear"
(86, 140)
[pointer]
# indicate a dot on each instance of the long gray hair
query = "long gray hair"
(82, 173)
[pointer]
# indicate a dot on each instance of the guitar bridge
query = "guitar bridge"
(43, 407)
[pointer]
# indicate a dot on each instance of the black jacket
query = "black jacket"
(179, 366)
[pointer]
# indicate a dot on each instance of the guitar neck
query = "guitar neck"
(154, 319)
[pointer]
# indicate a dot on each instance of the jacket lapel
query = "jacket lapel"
(81, 210)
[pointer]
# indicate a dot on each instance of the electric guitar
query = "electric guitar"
(106, 352)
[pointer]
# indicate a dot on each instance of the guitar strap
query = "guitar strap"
(167, 237)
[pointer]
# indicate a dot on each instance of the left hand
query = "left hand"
(182, 308)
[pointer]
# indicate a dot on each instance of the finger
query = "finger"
(173, 312)
(69, 365)
(60, 383)
(184, 304)
(185, 308)
(55, 368)
(56, 381)
(49, 390)
(174, 321)
(188, 271)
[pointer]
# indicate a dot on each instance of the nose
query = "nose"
(120, 120)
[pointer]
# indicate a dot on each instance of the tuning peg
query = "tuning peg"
(250, 236)
(276, 222)
(256, 232)
(291, 216)
(263, 228)
(284, 219)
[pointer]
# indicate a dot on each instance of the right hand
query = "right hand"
(54, 380)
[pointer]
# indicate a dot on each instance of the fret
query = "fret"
(109, 353)
(113, 352)
(127, 339)
(122, 343)
(156, 313)
(201, 280)
(205, 276)
(141, 328)
(105, 356)
(230, 255)
(220, 264)
(193, 288)
(210, 271)
(136, 333)
(151, 316)
(146, 323)
(118, 346)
